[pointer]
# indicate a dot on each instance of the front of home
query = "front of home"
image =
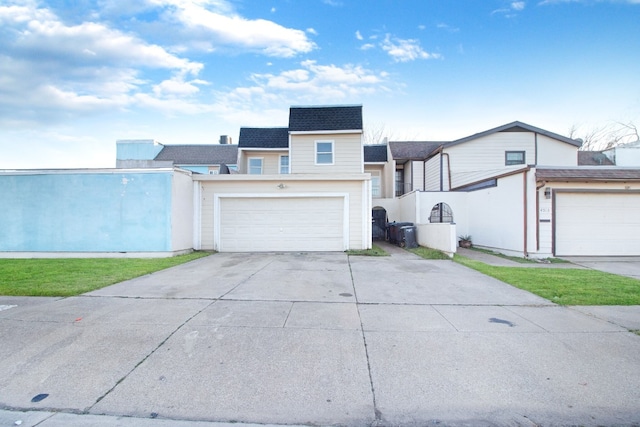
(314, 186)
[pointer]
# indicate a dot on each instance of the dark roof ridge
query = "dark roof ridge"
(513, 125)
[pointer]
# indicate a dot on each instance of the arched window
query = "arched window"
(441, 212)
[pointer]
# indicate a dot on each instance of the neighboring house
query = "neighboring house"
(517, 189)
(199, 158)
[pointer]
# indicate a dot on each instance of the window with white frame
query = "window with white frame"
(324, 152)
(284, 164)
(375, 184)
(255, 166)
(513, 158)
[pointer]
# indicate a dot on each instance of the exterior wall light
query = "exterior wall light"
(547, 193)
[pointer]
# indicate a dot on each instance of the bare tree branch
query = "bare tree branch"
(604, 137)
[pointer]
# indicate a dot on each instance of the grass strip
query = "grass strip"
(428, 253)
(73, 276)
(565, 286)
(374, 251)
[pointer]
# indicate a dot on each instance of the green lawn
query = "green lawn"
(565, 286)
(73, 276)
(374, 251)
(428, 253)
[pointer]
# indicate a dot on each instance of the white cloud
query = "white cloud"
(214, 22)
(367, 46)
(511, 10)
(311, 83)
(405, 50)
(53, 71)
(359, 36)
(446, 27)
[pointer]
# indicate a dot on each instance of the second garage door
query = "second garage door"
(274, 224)
(592, 224)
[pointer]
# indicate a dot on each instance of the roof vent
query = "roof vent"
(224, 139)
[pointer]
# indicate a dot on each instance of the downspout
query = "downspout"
(538, 187)
(448, 169)
(441, 171)
(524, 204)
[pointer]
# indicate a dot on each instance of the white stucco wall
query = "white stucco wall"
(181, 211)
(438, 236)
(497, 219)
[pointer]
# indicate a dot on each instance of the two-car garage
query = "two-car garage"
(276, 223)
(282, 213)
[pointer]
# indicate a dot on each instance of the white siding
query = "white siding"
(432, 174)
(347, 155)
(552, 152)
(270, 161)
(484, 158)
(418, 175)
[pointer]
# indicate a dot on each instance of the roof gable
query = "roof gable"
(264, 138)
(211, 154)
(375, 153)
(329, 118)
(516, 127)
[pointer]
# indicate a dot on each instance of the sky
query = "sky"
(75, 76)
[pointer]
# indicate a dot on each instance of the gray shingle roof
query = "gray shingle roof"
(593, 158)
(210, 154)
(375, 153)
(329, 118)
(601, 173)
(264, 138)
(413, 150)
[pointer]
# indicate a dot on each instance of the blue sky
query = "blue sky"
(75, 76)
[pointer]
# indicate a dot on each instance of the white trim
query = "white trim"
(197, 215)
(263, 149)
(216, 210)
(315, 151)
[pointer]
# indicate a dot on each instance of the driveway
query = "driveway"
(313, 339)
(623, 266)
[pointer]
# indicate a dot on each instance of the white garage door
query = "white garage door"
(592, 224)
(282, 224)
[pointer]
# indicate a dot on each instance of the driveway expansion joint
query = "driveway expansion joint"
(147, 356)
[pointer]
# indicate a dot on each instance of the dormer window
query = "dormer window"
(514, 158)
(324, 152)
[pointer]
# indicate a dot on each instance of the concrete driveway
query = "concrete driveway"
(623, 266)
(313, 339)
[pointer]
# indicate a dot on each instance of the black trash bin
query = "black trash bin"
(394, 231)
(408, 237)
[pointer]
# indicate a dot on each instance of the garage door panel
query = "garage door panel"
(282, 224)
(592, 224)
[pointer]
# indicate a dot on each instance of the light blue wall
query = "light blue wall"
(92, 212)
(137, 149)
